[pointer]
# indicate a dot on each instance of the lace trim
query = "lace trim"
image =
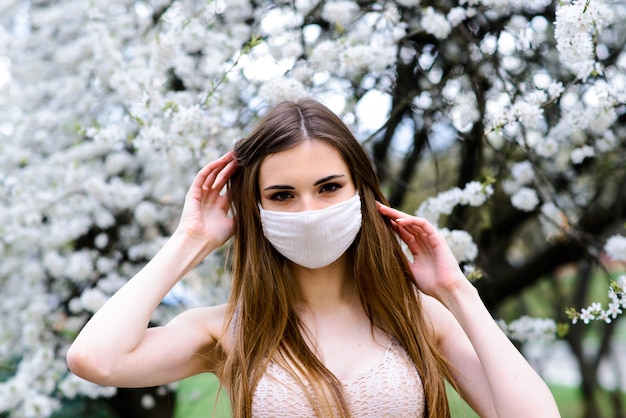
(392, 388)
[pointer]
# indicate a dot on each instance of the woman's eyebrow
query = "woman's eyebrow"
(279, 187)
(328, 178)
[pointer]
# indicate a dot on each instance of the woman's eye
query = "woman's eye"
(330, 187)
(280, 196)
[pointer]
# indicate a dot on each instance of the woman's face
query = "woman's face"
(309, 176)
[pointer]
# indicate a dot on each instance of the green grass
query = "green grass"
(458, 407)
(196, 397)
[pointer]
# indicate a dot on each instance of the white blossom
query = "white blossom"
(465, 112)
(360, 58)
(340, 12)
(615, 247)
(435, 23)
(73, 386)
(280, 88)
(79, 266)
(54, 262)
(531, 329)
(324, 56)
(601, 119)
(579, 154)
(525, 199)
(90, 300)
(547, 148)
(595, 311)
(148, 401)
(117, 162)
(101, 240)
(37, 405)
(473, 194)
(530, 114)
(523, 173)
(112, 282)
(280, 19)
(555, 89)
(146, 213)
(576, 25)
(461, 244)
(614, 310)
(456, 15)
(442, 204)
(587, 315)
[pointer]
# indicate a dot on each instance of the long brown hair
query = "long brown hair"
(260, 310)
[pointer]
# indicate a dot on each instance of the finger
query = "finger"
(203, 177)
(390, 212)
(221, 203)
(406, 236)
(212, 169)
(422, 225)
(224, 174)
(394, 225)
(419, 226)
(413, 230)
(424, 238)
(412, 225)
(220, 162)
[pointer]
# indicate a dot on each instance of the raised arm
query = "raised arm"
(116, 347)
(494, 378)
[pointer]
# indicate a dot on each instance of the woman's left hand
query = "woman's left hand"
(435, 269)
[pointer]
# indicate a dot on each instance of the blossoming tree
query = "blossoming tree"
(501, 121)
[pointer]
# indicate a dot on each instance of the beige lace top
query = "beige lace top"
(392, 388)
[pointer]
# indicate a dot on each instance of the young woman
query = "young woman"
(327, 316)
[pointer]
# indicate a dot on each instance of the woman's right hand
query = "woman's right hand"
(205, 218)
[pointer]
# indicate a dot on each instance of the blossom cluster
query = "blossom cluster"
(577, 24)
(588, 107)
(530, 329)
(596, 311)
(461, 242)
(615, 248)
(473, 193)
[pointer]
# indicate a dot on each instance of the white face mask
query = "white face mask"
(313, 238)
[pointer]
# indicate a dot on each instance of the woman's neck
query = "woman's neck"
(329, 287)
